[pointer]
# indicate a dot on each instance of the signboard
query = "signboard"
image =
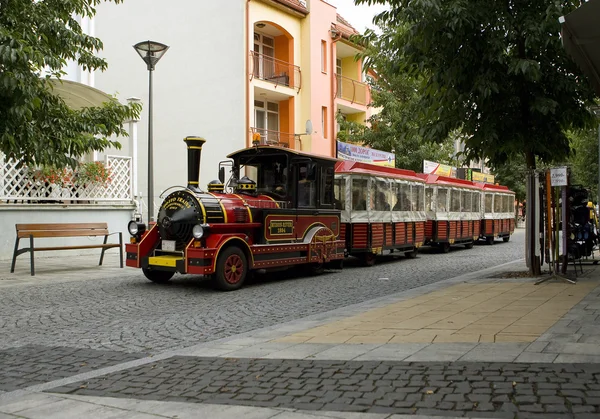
(438, 169)
(558, 176)
(355, 152)
(482, 177)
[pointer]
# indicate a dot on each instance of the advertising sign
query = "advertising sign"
(438, 169)
(366, 155)
(482, 177)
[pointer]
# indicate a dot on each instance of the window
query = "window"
(324, 56)
(326, 186)
(442, 198)
(498, 204)
(266, 121)
(324, 127)
(428, 199)
(403, 197)
(489, 198)
(307, 190)
(380, 196)
(455, 200)
(467, 201)
(476, 201)
(264, 62)
(340, 193)
(359, 194)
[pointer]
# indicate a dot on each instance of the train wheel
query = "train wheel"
(445, 247)
(160, 277)
(231, 269)
(368, 259)
(505, 239)
(412, 255)
(315, 269)
(489, 240)
(469, 245)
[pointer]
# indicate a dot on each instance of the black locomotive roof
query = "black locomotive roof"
(275, 150)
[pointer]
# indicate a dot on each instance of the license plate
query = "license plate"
(168, 245)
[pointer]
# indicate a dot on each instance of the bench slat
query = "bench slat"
(61, 226)
(61, 233)
(87, 246)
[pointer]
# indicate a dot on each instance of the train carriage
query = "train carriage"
(280, 214)
(453, 211)
(498, 208)
(382, 210)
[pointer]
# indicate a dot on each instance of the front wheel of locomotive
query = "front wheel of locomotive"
(231, 269)
(160, 277)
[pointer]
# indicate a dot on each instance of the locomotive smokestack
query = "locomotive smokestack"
(194, 147)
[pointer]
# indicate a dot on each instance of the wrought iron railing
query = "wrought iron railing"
(352, 90)
(19, 185)
(261, 136)
(275, 71)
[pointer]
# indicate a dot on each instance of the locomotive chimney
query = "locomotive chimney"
(194, 147)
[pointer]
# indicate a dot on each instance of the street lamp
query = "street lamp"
(151, 52)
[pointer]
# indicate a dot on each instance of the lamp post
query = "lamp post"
(151, 52)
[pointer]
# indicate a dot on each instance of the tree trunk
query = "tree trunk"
(532, 217)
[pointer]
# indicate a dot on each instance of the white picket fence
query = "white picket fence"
(18, 186)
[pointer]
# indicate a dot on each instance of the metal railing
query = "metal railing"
(269, 137)
(275, 71)
(351, 90)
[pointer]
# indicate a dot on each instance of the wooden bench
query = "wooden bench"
(32, 231)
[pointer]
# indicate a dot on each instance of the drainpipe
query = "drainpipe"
(335, 36)
(247, 82)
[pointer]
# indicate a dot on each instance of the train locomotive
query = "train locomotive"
(287, 217)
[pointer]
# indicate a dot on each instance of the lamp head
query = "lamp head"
(151, 52)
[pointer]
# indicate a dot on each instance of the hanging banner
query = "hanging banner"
(355, 152)
(438, 169)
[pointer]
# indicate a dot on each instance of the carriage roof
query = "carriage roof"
(269, 150)
(490, 187)
(447, 181)
(360, 168)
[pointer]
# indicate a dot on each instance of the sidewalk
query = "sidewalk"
(478, 345)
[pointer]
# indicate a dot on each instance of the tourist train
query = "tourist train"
(278, 208)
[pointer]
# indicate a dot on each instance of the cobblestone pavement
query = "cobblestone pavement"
(33, 364)
(131, 314)
(481, 389)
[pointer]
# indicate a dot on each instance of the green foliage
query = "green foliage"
(512, 174)
(36, 127)
(394, 127)
(495, 69)
(584, 159)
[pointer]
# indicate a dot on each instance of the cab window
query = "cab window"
(307, 185)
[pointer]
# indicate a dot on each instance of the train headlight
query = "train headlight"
(198, 231)
(135, 228)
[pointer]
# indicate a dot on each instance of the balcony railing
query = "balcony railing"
(351, 90)
(275, 71)
(261, 136)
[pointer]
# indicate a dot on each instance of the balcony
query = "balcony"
(270, 137)
(275, 71)
(351, 90)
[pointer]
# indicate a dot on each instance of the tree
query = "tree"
(393, 127)
(584, 159)
(497, 69)
(512, 174)
(37, 38)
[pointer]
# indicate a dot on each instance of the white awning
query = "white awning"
(581, 39)
(78, 95)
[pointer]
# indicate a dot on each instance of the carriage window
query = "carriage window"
(428, 199)
(326, 185)
(476, 201)
(380, 196)
(466, 203)
(403, 199)
(418, 192)
(307, 191)
(340, 193)
(498, 203)
(509, 204)
(454, 200)
(442, 195)
(488, 202)
(359, 194)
